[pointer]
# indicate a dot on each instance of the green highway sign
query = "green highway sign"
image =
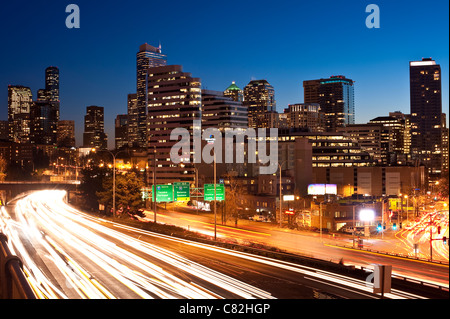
(182, 191)
(209, 192)
(164, 193)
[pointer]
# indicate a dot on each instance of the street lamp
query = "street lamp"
(114, 174)
(407, 208)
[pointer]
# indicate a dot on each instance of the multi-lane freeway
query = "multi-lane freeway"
(69, 254)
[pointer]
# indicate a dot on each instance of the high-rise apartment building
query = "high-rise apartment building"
(94, 135)
(335, 96)
(147, 57)
(121, 131)
(20, 100)
(426, 114)
(174, 101)
(259, 97)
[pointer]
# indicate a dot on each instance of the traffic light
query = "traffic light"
(439, 230)
(400, 225)
(384, 226)
(394, 226)
(379, 227)
(444, 240)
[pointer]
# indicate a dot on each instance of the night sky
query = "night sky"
(284, 42)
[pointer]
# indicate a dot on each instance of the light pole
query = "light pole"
(407, 208)
(154, 184)
(215, 207)
(114, 175)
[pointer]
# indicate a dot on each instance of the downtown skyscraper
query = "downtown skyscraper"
(335, 96)
(259, 97)
(174, 101)
(94, 135)
(20, 100)
(45, 111)
(147, 57)
(426, 114)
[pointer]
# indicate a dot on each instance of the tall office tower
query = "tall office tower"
(45, 111)
(336, 99)
(147, 57)
(222, 112)
(445, 150)
(174, 101)
(44, 122)
(259, 97)
(52, 83)
(132, 123)
(426, 114)
(305, 116)
(20, 99)
(234, 92)
(94, 128)
(121, 131)
(66, 133)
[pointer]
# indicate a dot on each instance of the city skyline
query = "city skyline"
(376, 59)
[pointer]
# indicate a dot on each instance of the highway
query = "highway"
(68, 254)
(328, 248)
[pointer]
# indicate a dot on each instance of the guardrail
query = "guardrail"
(13, 283)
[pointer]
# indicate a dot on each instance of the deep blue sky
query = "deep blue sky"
(285, 42)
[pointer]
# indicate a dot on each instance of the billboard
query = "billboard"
(322, 189)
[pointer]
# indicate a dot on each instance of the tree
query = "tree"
(92, 182)
(233, 196)
(3, 167)
(128, 194)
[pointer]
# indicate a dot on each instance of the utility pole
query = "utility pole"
(215, 208)
(354, 226)
(154, 183)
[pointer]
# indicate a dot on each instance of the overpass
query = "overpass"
(11, 189)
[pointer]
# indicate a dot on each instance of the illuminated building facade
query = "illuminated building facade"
(426, 115)
(306, 116)
(147, 57)
(174, 101)
(222, 112)
(94, 135)
(20, 100)
(335, 96)
(259, 97)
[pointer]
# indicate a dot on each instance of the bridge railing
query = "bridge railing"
(13, 282)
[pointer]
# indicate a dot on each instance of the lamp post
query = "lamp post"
(215, 207)
(114, 174)
(407, 208)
